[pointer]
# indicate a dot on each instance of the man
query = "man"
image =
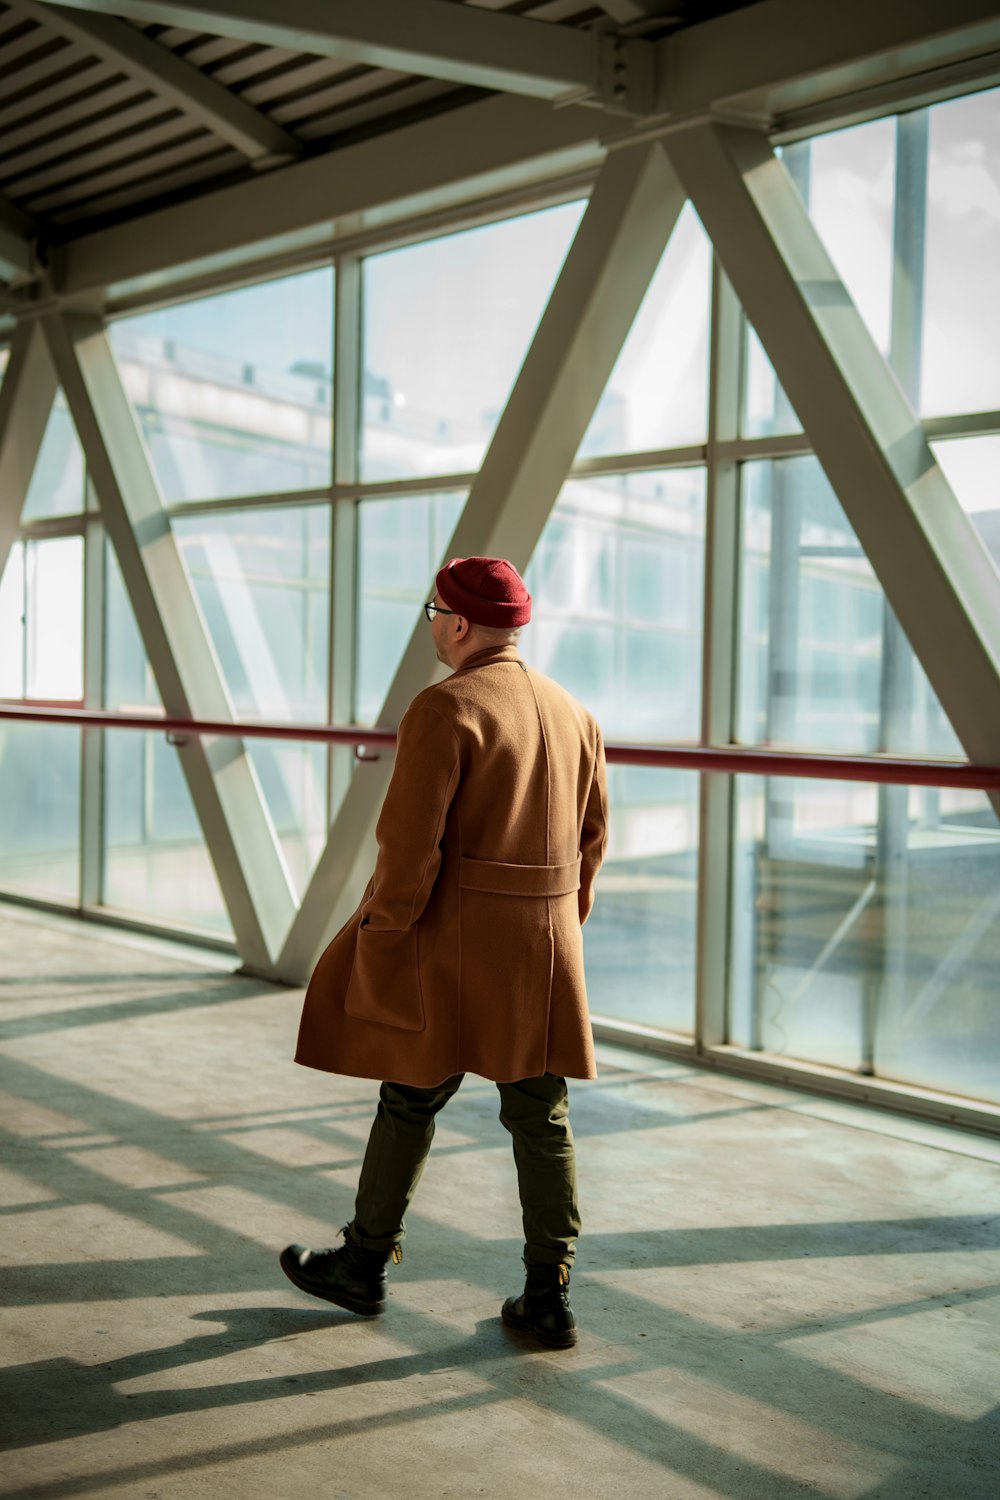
(466, 952)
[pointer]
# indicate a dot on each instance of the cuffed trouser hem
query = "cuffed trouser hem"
(384, 1244)
(541, 1255)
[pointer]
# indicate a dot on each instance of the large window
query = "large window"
(154, 860)
(617, 584)
(858, 924)
(864, 919)
(401, 544)
(41, 620)
(40, 812)
(639, 941)
(823, 664)
(41, 657)
(657, 396)
(57, 484)
(262, 578)
(960, 370)
(866, 931)
(446, 326)
(972, 468)
(234, 393)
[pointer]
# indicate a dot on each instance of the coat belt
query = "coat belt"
(519, 880)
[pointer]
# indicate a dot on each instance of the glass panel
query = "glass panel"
(57, 486)
(798, 928)
(657, 396)
(617, 586)
(639, 942)
(155, 861)
(971, 466)
(54, 618)
(12, 624)
(616, 581)
(401, 543)
(961, 339)
(936, 1023)
(846, 180)
(767, 411)
(128, 677)
(40, 811)
(446, 327)
(234, 392)
(865, 930)
(814, 665)
(263, 582)
(41, 620)
(849, 188)
(293, 780)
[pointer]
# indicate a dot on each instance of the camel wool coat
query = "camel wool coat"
(466, 953)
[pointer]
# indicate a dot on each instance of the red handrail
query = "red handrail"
(725, 759)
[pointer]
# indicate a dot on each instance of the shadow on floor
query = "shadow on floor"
(627, 1334)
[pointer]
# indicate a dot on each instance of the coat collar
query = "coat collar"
(489, 657)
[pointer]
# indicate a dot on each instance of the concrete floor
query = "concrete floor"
(778, 1297)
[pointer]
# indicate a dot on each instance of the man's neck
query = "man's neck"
(481, 648)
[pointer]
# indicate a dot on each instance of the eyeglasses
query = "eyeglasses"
(431, 609)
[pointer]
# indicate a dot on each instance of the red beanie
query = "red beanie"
(486, 590)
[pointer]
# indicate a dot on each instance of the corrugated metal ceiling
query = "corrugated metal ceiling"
(84, 141)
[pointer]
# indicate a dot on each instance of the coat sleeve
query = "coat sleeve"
(411, 823)
(594, 834)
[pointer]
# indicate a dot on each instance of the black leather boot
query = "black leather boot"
(350, 1276)
(543, 1307)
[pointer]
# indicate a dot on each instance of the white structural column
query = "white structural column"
(27, 392)
(234, 818)
(936, 573)
(719, 635)
(348, 365)
(632, 211)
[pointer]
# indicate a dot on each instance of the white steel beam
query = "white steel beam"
(92, 739)
(27, 392)
(348, 365)
(171, 78)
(234, 818)
(428, 166)
(633, 209)
(760, 61)
(435, 39)
(935, 571)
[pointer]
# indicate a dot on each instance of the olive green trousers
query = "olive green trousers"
(536, 1113)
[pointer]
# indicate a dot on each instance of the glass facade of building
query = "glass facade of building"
(862, 924)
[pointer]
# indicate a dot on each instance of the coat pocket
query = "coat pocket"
(385, 981)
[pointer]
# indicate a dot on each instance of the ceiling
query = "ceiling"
(103, 117)
(121, 119)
